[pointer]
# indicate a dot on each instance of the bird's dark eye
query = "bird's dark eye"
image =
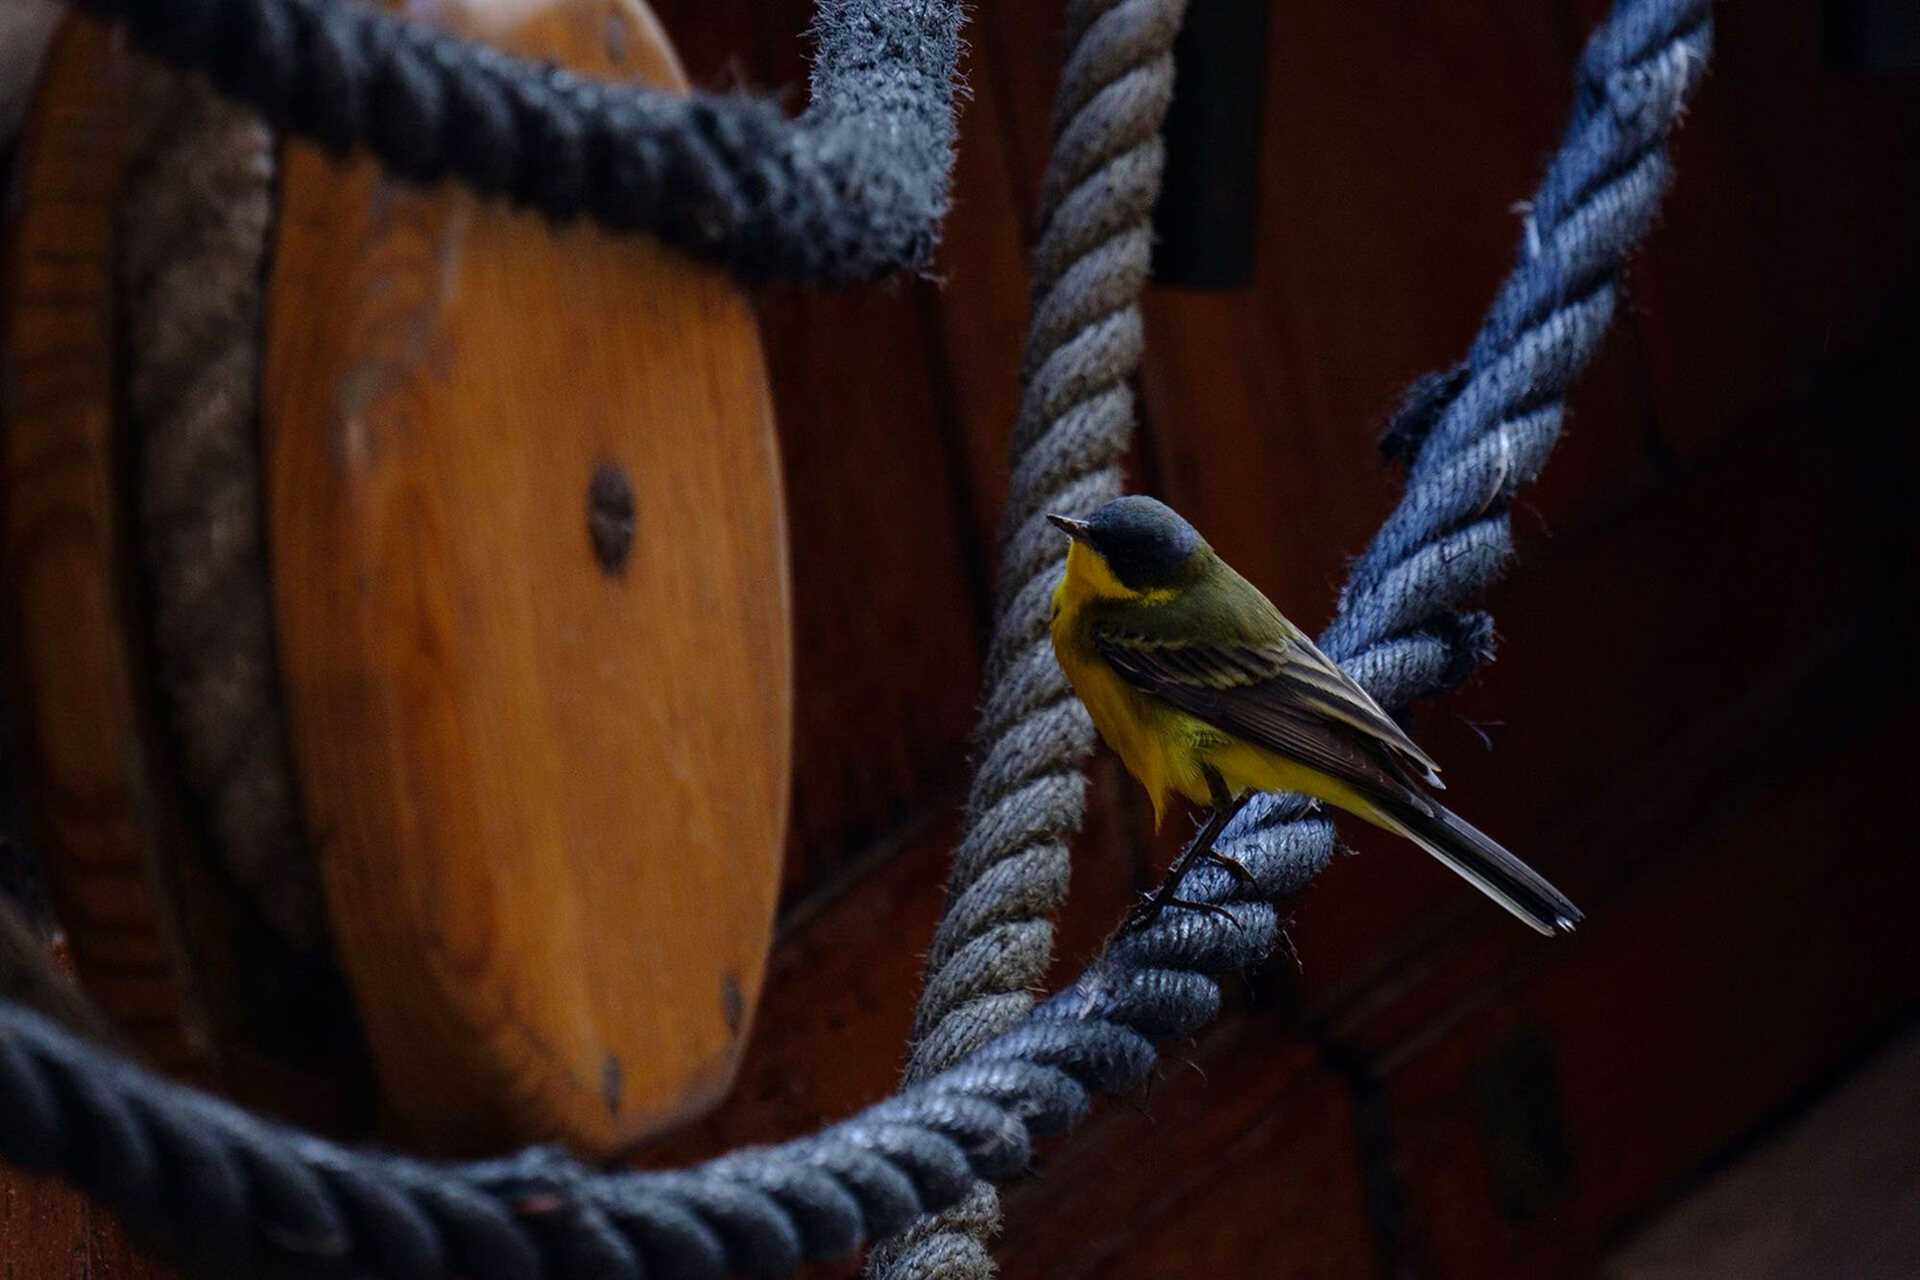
(1143, 558)
(1144, 542)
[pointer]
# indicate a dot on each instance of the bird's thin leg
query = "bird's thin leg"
(1223, 802)
(1198, 849)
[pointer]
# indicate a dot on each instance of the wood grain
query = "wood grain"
(886, 653)
(169, 947)
(72, 695)
(549, 796)
(75, 695)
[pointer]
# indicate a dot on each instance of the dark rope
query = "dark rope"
(246, 1194)
(854, 189)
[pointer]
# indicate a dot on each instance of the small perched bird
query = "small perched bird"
(1205, 690)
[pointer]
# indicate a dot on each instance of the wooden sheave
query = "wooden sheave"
(546, 783)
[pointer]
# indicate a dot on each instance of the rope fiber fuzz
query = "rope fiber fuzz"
(854, 189)
(1028, 795)
(249, 1196)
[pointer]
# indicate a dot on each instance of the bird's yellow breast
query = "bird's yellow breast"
(1158, 743)
(1165, 748)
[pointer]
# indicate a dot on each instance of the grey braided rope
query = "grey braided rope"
(249, 1195)
(190, 244)
(1028, 795)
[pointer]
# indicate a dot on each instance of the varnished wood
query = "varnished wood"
(71, 695)
(162, 940)
(65, 564)
(549, 796)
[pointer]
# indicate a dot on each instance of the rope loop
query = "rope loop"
(854, 189)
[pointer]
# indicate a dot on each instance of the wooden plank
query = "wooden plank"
(838, 1008)
(977, 303)
(1242, 1149)
(1287, 1202)
(1787, 240)
(885, 650)
(1394, 144)
(714, 40)
(886, 598)
(1838, 1192)
(549, 784)
(1018, 47)
(1714, 956)
(1613, 641)
(43, 1231)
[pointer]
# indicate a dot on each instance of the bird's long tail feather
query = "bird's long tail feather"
(1485, 864)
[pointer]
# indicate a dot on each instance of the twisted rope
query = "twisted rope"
(246, 1194)
(854, 189)
(1479, 431)
(1028, 795)
(191, 231)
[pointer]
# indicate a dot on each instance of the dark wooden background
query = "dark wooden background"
(1699, 723)
(1695, 718)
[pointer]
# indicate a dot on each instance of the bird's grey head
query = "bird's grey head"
(1146, 543)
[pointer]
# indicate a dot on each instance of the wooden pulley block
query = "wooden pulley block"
(438, 761)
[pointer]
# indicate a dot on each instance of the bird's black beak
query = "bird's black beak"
(1075, 529)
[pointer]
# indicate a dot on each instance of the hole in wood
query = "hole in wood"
(610, 516)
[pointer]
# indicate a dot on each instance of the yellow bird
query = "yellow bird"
(1206, 691)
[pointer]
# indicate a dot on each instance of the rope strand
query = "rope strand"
(248, 1195)
(994, 941)
(854, 189)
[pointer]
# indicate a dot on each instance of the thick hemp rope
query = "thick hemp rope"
(191, 232)
(1028, 794)
(1476, 433)
(248, 1195)
(854, 189)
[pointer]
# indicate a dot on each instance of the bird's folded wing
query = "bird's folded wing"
(1333, 692)
(1285, 696)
